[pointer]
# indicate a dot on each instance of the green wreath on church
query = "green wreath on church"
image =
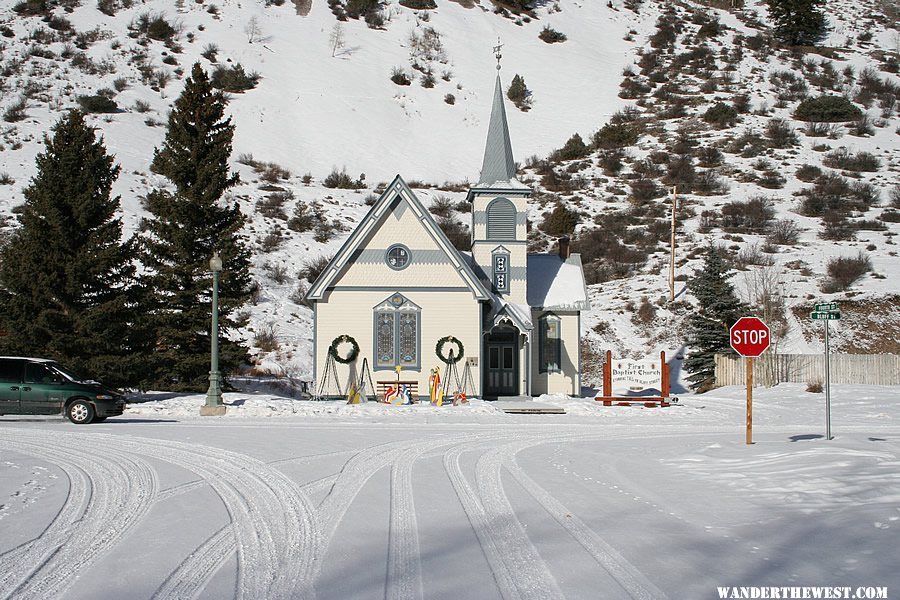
(344, 339)
(454, 356)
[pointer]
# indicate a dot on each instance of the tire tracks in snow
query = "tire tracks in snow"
(481, 525)
(274, 530)
(404, 571)
(195, 572)
(108, 495)
(632, 580)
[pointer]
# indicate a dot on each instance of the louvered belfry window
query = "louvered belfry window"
(501, 220)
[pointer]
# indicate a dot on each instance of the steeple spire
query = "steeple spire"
(498, 164)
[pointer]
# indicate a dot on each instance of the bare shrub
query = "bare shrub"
(752, 255)
(844, 271)
(750, 216)
(272, 241)
(456, 232)
(276, 272)
(313, 268)
(266, 339)
(645, 313)
(340, 180)
(441, 207)
(837, 227)
(16, 111)
(783, 232)
(780, 134)
(808, 173)
(894, 195)
(842, 158)
(708, 183)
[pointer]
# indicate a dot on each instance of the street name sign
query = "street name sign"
(825, 316)
(825, 306)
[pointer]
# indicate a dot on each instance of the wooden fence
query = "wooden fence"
(769, 369)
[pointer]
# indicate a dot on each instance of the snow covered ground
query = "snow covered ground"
(284, 498)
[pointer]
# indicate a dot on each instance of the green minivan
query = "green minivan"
(37, 386)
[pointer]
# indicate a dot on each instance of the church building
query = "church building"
(399, 289)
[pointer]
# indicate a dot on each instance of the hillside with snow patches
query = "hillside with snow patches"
(751, 179)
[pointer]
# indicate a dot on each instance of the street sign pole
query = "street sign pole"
(827, 385)
(749, 366)
(749, 337)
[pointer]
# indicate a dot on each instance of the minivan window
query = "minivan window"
(38, 373)
(67, 372)
(10, 370)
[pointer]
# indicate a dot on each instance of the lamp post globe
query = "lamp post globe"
(214, 404)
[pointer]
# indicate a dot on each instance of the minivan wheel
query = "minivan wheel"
(80, 412)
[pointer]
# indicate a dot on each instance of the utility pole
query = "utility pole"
(672, 258)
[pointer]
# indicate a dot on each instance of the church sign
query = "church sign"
(635, 376)
(641, 382)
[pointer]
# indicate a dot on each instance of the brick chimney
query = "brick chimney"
(565, 250)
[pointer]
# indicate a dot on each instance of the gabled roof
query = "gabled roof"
(379, 211)
(499, 164)
(556, 284)
(519, 314)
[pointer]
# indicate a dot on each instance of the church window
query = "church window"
(397, 333)
(550, 344)
(397, 257)
(501, 220)
(501, 272)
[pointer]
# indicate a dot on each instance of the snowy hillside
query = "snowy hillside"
(658, 71)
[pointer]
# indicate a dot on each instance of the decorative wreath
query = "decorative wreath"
(344, 339)
(454, 356)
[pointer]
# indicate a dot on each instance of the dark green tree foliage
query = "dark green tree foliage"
(708, 327)
(185, 228)
(66, 276)
(798, 22)
(573, 149)
(519, 93)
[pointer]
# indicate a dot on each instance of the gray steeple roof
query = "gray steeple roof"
(498, 164)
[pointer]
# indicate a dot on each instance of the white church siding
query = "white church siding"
(566, 379)
(443, 313)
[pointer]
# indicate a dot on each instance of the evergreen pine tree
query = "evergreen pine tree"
(66, 276)
(708, 326)
(186, 226)
(798, 22)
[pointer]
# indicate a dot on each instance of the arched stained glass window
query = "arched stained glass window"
(397, 339)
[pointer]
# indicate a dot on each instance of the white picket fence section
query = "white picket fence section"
(769, 369)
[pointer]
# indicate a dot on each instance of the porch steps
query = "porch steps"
(525, 405)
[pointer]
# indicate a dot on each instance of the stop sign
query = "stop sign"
(749, 336)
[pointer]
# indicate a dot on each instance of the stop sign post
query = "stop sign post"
(749, 337)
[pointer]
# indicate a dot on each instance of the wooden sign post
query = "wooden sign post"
(749, 337)
(749, 399)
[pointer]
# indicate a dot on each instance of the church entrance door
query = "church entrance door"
(502, 373)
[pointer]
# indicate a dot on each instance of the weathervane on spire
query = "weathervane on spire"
(497, 52)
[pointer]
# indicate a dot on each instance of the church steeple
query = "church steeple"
(498, 164)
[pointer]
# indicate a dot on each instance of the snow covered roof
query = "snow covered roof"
(519, 314)
(556, 284)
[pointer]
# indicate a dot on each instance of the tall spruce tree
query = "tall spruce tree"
(708, 326)
(185, 227)
(798, 22)
(66, 276)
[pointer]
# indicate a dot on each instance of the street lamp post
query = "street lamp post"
(214, 405)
